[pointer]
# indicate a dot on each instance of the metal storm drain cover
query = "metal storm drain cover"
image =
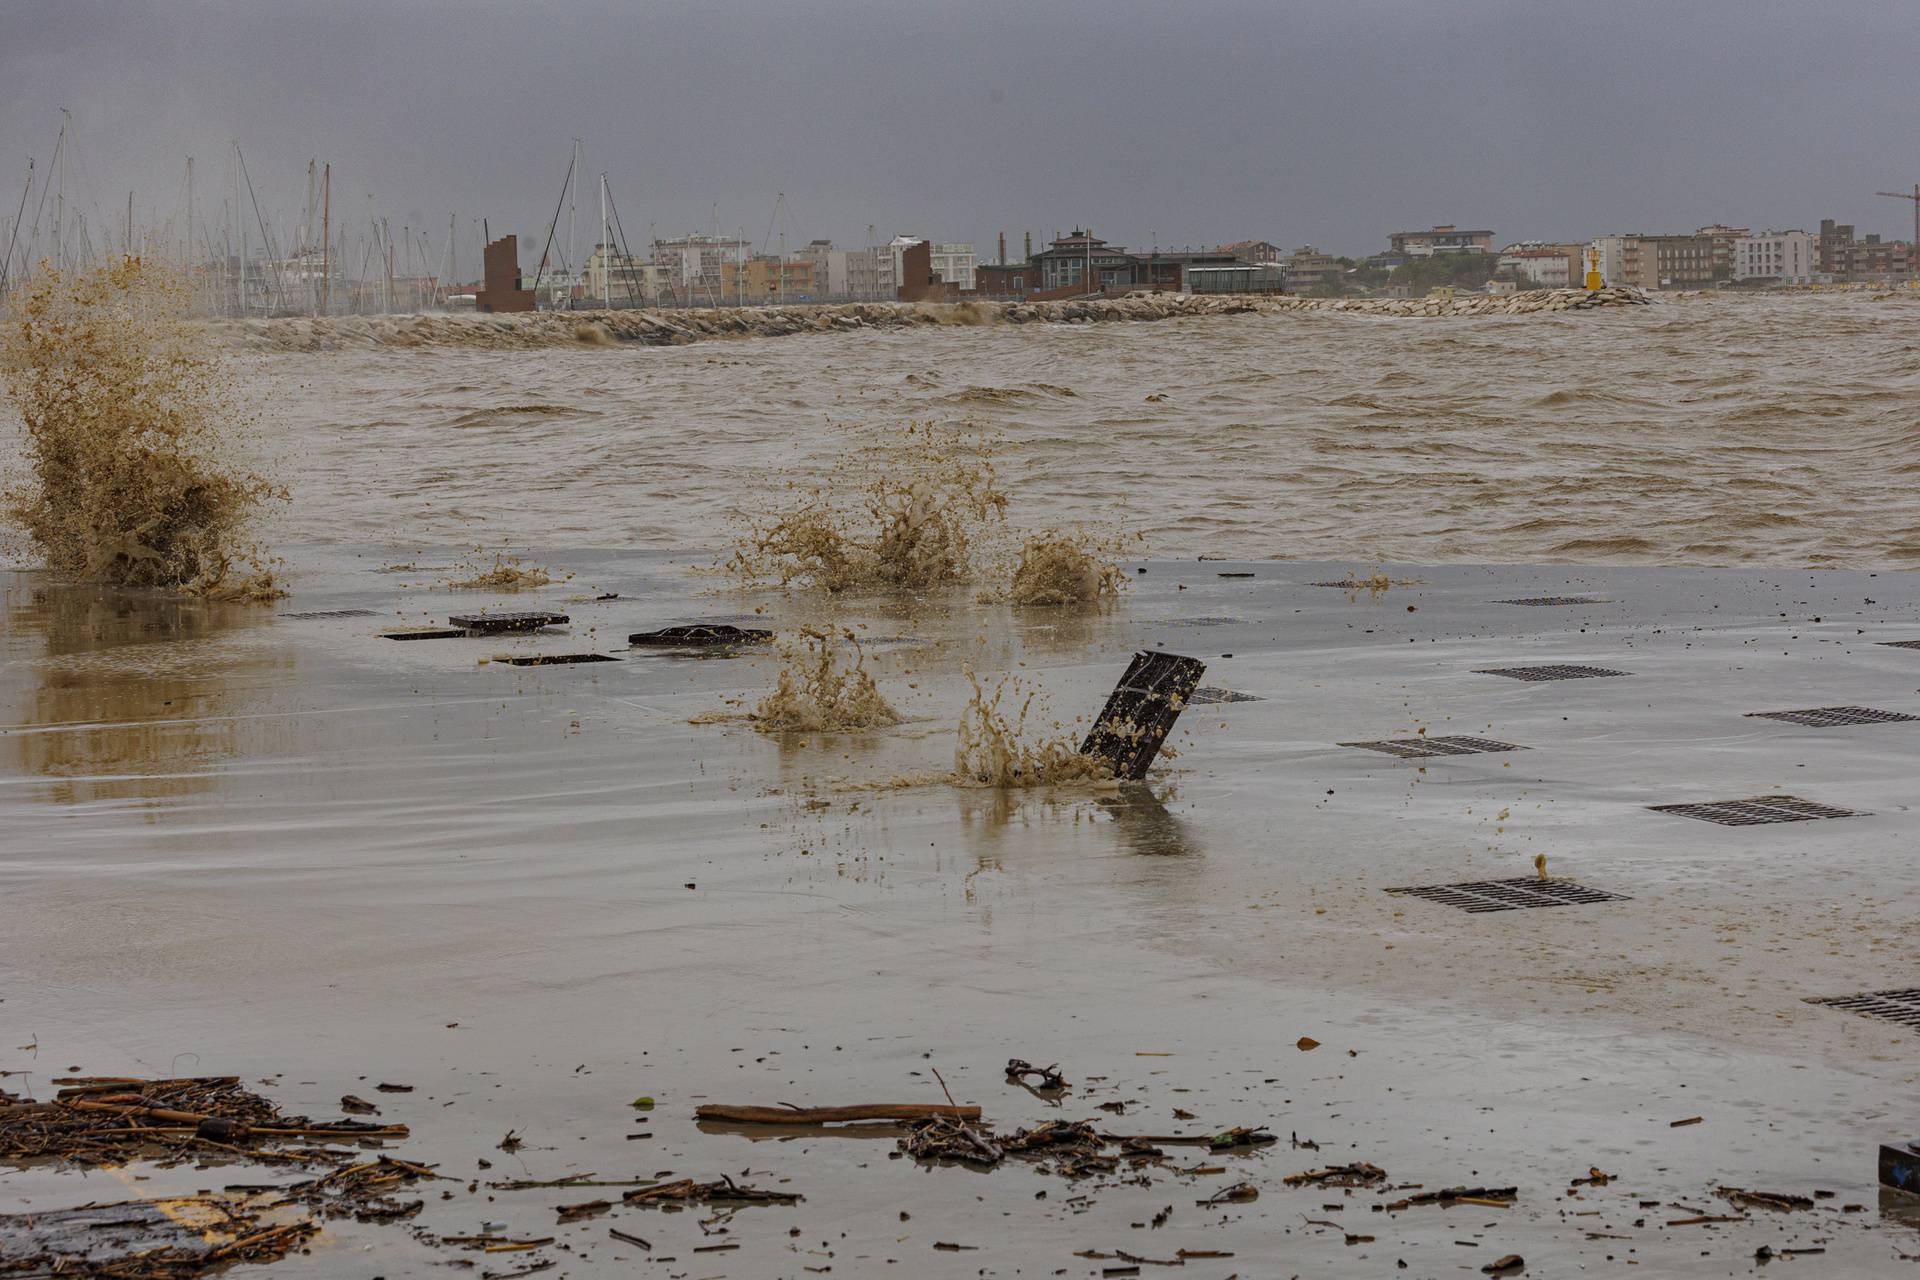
(310, 614)
(1901, 644)
(1425, 748)
(1206, 694)
(1759, 809)
(700, 635)
(489, 623)
(1895, 1006)
(1545, 600)
(1550, 673)
(426, 633)
(554, 659)
(1194, 622)
(1509, 895)
(1828, 717)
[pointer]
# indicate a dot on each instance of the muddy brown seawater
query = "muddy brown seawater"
(238, 842)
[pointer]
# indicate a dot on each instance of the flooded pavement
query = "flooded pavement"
(289, 849)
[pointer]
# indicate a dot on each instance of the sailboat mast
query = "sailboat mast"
(326, 240)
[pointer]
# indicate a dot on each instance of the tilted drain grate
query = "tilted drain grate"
(1208, 694)
(309, 615)
(1548, 600)
(553, 659)
(1828, 717)
(1901, 644)
(1550, 673)
(1425, 748)
(1895, 1006)
(1509, 895)
(493, 623)
(700, 635)
(427, 633)
(1758, 809)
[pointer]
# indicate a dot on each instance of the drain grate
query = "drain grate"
(1550, 600)
(1895, 1006)
(490, 623)
(309, 615)
(1509, 895)
(1207, 694)
(1425, 748)
(1192, 622)
(700, 635)
(1758, 809)
(426, 633)
(553, 659)
(1828, 717)
(1550, 673)
(1901, 644)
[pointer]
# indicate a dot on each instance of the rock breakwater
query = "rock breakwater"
(678, 327)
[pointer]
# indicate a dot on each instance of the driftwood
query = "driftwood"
(836, 1115)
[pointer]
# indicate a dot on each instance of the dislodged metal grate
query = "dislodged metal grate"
(1509, 895)
(1901, 644)
(554, 659)
(1141, 710)
(1828, 717)
(491, 623)
(1756, 810)
(1550, 600)
(309, 615)
(427, 633)
(700, 635)
(1550, 673)
(1207, 694)
(1895, 1006)
(1425, 748)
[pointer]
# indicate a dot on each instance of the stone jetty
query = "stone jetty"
(676, 327)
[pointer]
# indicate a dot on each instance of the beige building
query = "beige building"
(765, 278)
(620, 279)
(1546, 266)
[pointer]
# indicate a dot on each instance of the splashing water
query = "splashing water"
(508, 573)
(997, 749)
(919, 505)
(1064, 568)
(816, 693)
(128, 422)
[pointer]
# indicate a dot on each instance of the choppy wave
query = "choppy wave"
(1706, 431)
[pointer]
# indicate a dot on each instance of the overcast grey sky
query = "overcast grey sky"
(1332, 122)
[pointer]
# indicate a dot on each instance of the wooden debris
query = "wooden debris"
(722, 1191)
(1357, 1174)
(115, 1120)
(835, 1115)
(1018, 1069)
(1765, 1199)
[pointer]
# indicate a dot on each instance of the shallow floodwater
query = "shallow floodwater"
(1696, 431)
(236, 841)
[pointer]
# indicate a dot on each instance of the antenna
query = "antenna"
(1915, 197)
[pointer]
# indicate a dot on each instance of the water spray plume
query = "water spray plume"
(996, 747)
(1064, 568)
(918, 504)
(128, 427)
(817, 692)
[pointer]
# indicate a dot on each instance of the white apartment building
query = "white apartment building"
(694, 263)
(1786, 256)
(954, 264)
(620, 279)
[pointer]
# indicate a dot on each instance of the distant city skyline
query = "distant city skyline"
(1297, 123)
